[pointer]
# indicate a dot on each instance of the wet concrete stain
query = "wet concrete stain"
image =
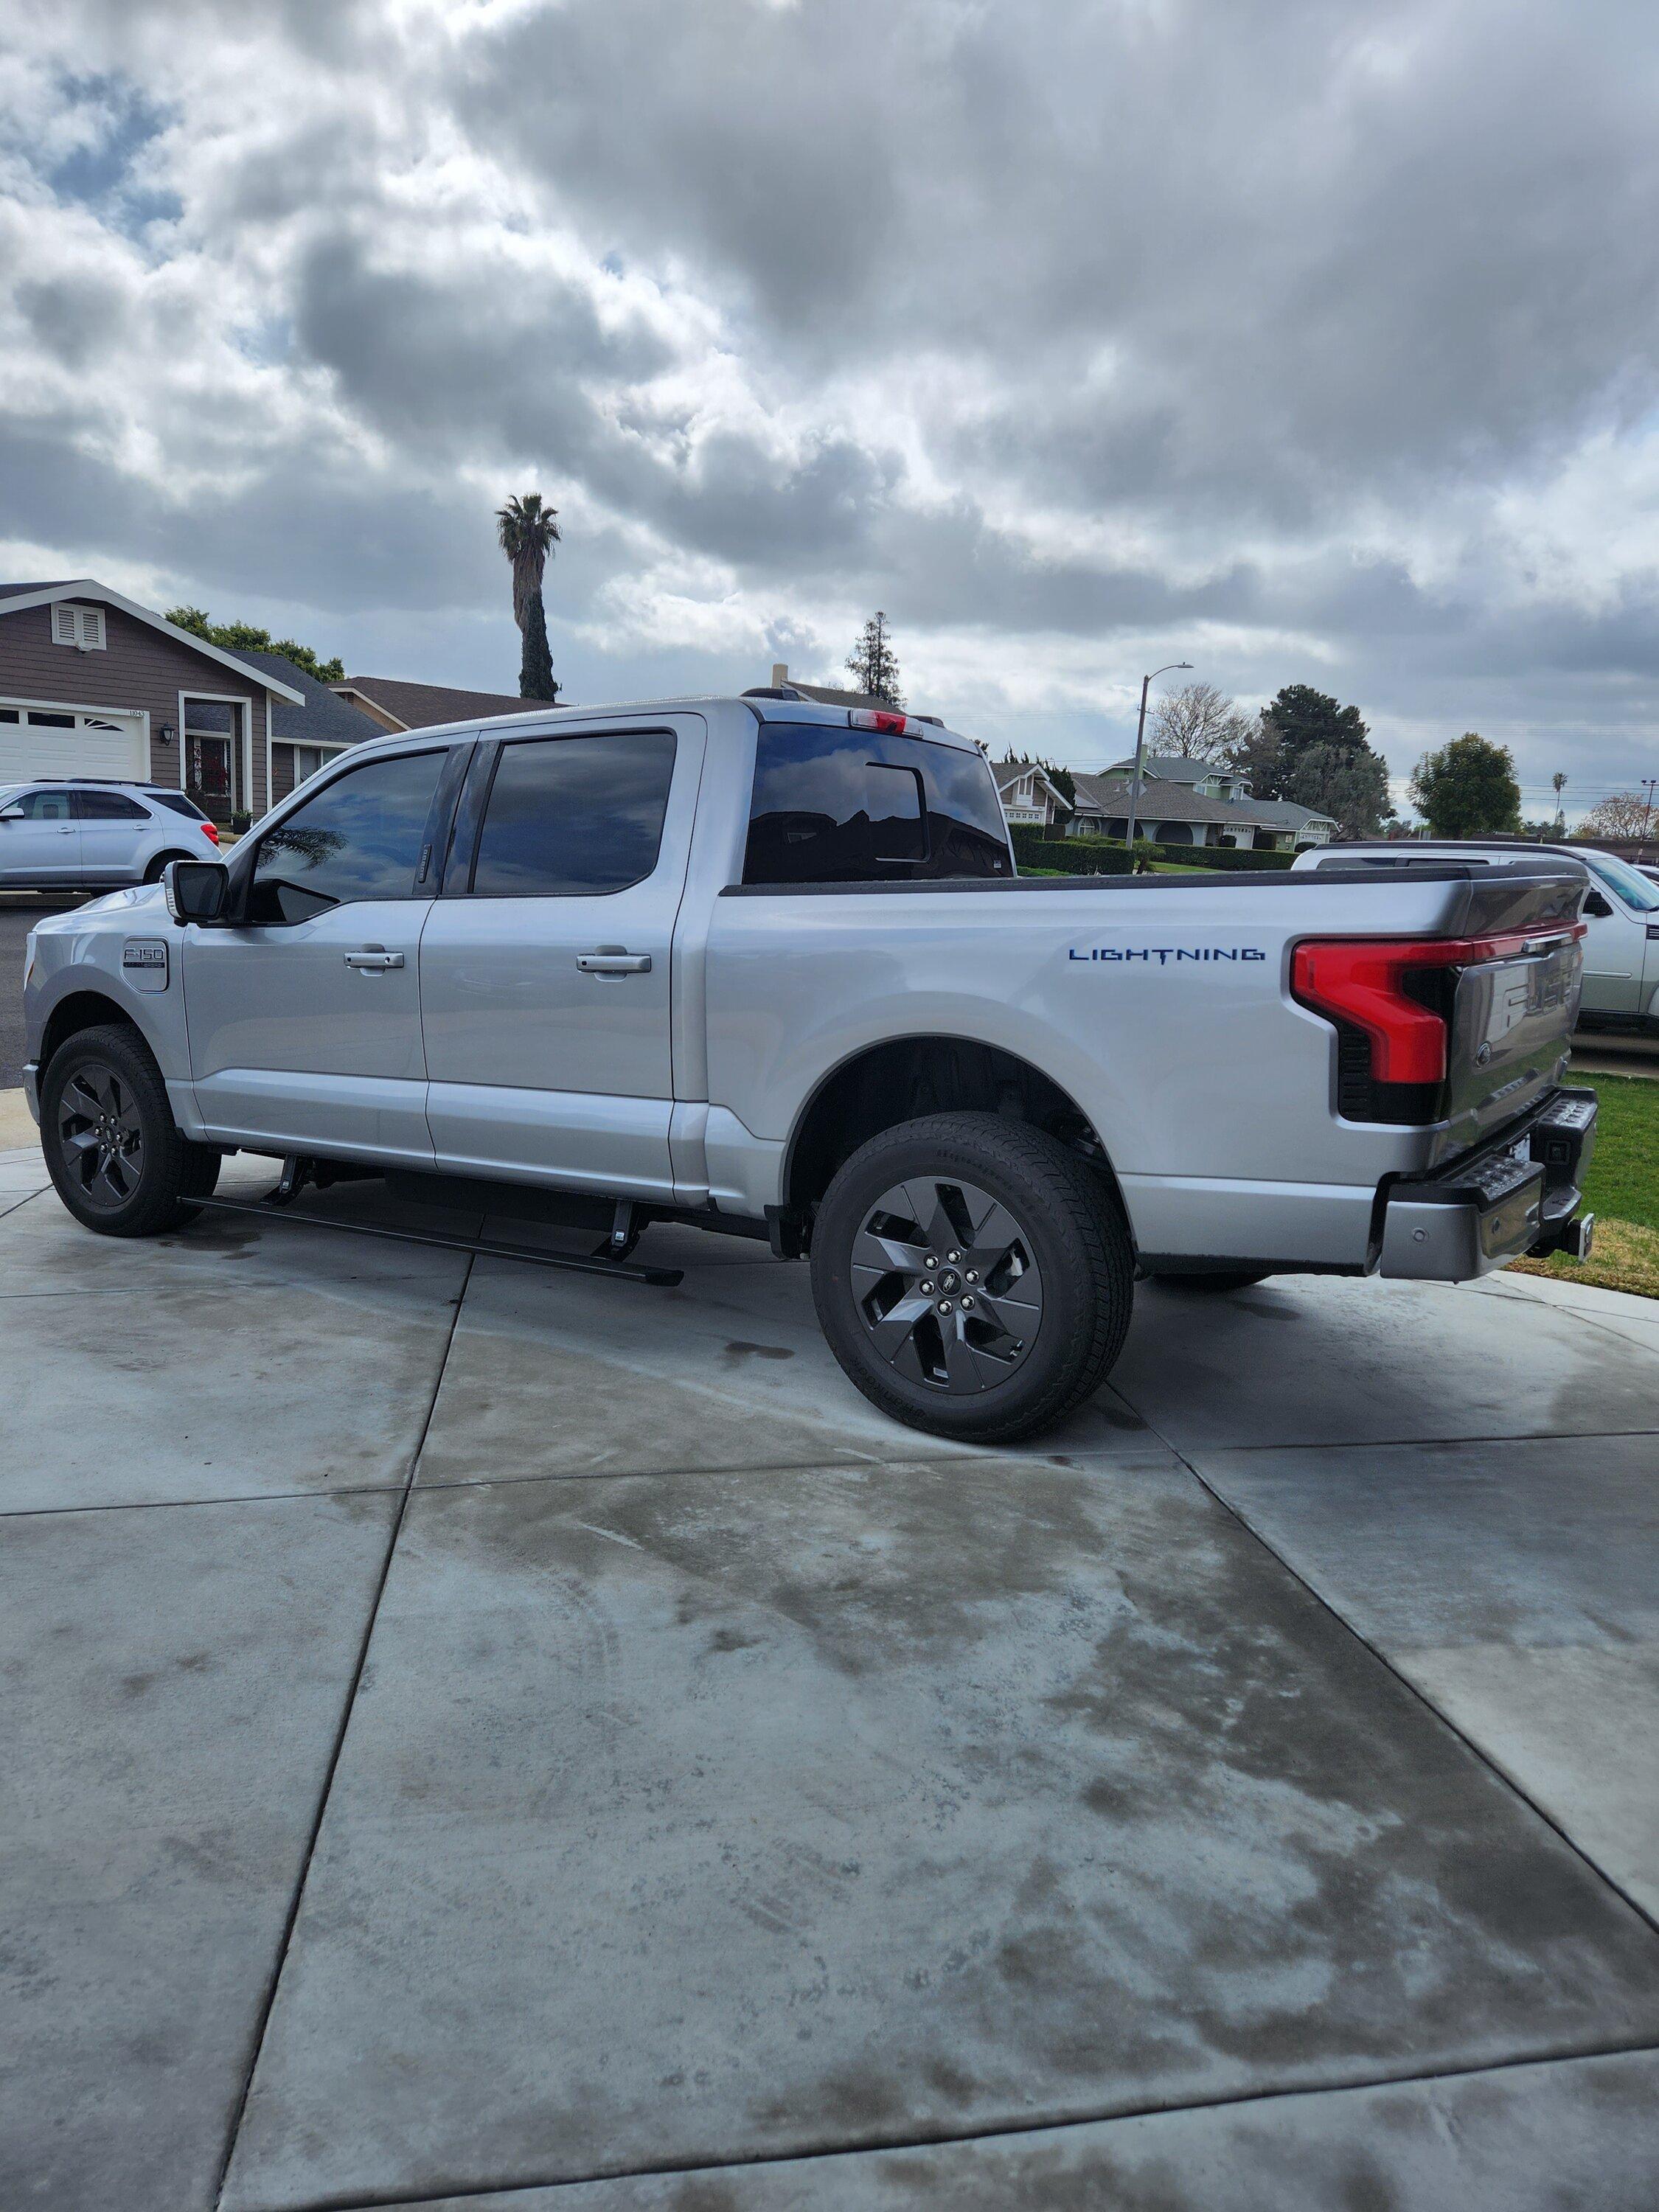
(1085, 1801)
(738, 1351)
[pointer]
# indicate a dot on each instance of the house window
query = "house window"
(81, 627)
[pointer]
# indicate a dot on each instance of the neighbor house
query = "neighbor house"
(1192, 802)
(93, 684)
(1027, 795)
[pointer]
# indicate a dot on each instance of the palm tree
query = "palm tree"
(528, 530)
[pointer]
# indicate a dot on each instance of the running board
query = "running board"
(575, 1263)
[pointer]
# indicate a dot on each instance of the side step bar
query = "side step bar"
(573, 1262)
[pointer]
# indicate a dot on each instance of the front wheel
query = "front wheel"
(114, 1153)
(972, 1276)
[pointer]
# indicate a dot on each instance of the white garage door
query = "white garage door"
(55, 741)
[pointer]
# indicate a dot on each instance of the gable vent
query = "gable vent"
(81, 627)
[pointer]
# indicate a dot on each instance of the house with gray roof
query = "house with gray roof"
(1182, 810)
(1193, 802)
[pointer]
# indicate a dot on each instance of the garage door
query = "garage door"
(55, 741)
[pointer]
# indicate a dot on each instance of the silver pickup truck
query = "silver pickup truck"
(768, 967)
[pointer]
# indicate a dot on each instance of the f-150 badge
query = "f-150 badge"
(145, 963)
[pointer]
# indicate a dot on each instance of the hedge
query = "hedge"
(1101, 856)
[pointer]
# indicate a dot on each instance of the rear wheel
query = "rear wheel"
(115, 1154)
(972, 1276)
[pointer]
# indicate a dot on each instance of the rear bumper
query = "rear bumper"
(1498, 1204)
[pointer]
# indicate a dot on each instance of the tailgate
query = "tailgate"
(1512, 1012)
(1512, 1019)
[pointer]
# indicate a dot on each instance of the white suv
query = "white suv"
(72, 833)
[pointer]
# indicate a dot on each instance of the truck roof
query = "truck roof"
(764, 705)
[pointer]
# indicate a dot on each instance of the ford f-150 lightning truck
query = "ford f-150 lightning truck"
(767, 966)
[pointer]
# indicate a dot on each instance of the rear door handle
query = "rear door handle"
(614, 964)
(374, 960)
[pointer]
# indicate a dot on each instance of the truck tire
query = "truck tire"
(972, 1276)
(1217, 1279)
(115, 1154)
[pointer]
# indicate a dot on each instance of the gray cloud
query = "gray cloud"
(1323, 342)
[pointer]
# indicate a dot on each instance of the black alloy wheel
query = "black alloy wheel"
(117, 1158)
(973, 1275)
(100, 1136)
(945, 1281)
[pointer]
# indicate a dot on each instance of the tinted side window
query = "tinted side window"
(361, 838)
(180, 805)
(568, 817)
(107, 807)
(833, 807)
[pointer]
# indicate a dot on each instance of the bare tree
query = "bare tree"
(1198, 721)
(1627, 814)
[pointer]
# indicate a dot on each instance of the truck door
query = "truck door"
(305, 1018)
(545, 964)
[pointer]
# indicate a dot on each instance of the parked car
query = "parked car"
(77, 834)
(765, 967)
(1620, 912)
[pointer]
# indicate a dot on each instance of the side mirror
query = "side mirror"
(12, 813)
(1595, 904)
(196, 889)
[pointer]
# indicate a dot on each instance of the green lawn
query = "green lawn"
(1622, 1189)
(1623, 1182)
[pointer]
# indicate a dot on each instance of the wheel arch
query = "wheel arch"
(899, 1079)
(157, 865)
(83, 1010)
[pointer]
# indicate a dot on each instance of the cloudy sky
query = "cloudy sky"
(1307, 340)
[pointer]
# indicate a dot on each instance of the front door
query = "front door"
(39, 839)
(546, 966)
(304, 1018)
(208, 775)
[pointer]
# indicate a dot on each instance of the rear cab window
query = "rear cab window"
(837, 805)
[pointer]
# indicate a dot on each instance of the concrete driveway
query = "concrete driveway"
(485, 1737)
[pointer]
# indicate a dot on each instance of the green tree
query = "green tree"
(1467, 789)
(1306, 748)
(874, 664)
(248, 637)
(528, 530)
(1302, 717)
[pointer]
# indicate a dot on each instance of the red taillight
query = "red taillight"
(887, 721)
(210, 833)
(1363, 981)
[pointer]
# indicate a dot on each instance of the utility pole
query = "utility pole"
(1649, 784)
(1140, 745)
(1558, 780)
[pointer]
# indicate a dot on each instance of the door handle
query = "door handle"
(606, 962)
(374, 960)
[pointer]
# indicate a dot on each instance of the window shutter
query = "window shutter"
(63, 624)
(92, 628)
